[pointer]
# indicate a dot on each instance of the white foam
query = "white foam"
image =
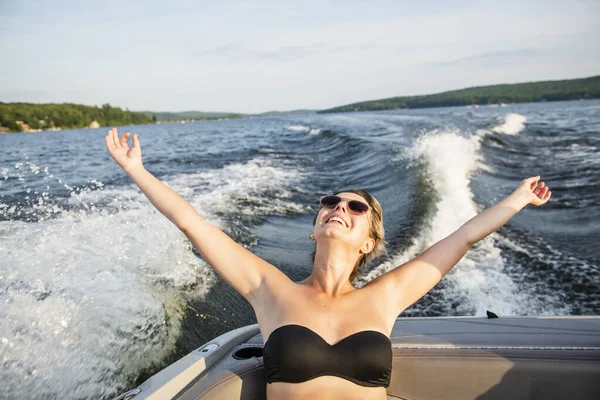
(511, 125)
(478, 282)
(253, 188)
(92, 297)
(302, 128)
(297, 128)
(81, 305)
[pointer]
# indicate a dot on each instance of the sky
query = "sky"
(261, 55)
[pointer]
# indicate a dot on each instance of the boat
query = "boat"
(483, 358)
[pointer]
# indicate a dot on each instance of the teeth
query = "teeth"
(337, 220)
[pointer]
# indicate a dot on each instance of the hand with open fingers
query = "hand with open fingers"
(537, 192)
(127, 157)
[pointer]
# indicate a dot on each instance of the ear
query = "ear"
(367, 246)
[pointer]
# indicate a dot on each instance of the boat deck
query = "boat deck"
(433, 358)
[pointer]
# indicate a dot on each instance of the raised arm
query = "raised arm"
(244, 271)
(409, 282)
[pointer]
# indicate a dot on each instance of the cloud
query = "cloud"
(490, 59)
(236, 51)
(227, 50)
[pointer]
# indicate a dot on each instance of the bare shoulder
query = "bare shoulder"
(274, 284)
(382, 291)
(379, 286)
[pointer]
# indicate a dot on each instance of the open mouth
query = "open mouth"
(336, 220)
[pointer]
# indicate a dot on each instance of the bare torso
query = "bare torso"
(333, 320)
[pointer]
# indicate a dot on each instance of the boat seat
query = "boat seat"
(495, 374)
(481, 374)
(239, 376)
(433, 358)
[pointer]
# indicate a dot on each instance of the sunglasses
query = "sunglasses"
(354, 206)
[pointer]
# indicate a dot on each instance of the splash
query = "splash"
(302, 128)
(297, 128)
(512, 124)
(90, 298)
(479, 281)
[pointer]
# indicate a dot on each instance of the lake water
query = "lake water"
(98, 290)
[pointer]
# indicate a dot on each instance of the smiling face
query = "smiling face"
(357, 231)
(339, 222)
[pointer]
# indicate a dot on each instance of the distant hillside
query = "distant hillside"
(190, 115)
(200, 115)
(291, 112)
(586, 88)
(31, 117)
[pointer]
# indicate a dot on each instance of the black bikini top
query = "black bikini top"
(295, 353)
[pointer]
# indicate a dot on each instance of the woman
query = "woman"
(315, 346)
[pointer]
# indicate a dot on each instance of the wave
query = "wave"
(91, 299)
(255, 188)
(297, 128)
(512, 124)
(478, 282)
(302, 128)
(81, 301)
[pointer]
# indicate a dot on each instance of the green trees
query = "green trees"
(587, 88)
(64, 116)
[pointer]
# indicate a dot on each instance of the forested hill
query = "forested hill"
(586, 88)
(28, 117)
(190, 115)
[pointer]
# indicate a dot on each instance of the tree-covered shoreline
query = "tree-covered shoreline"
(20, 117)
(572, 89)
(28, 117)
(166, 116)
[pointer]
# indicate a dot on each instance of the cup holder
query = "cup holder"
(246, 353)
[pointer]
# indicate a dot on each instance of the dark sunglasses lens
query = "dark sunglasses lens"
(358, 206)
(330, 201)
(354, 205)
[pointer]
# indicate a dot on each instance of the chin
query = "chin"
(332, 233)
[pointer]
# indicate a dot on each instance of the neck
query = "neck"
(333, 265)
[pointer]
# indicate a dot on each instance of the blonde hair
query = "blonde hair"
(376, 231)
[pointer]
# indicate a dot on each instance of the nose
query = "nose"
(342, 205)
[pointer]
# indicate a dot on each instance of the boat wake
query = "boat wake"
(480, 281)
(99, 293)
(512, 124)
